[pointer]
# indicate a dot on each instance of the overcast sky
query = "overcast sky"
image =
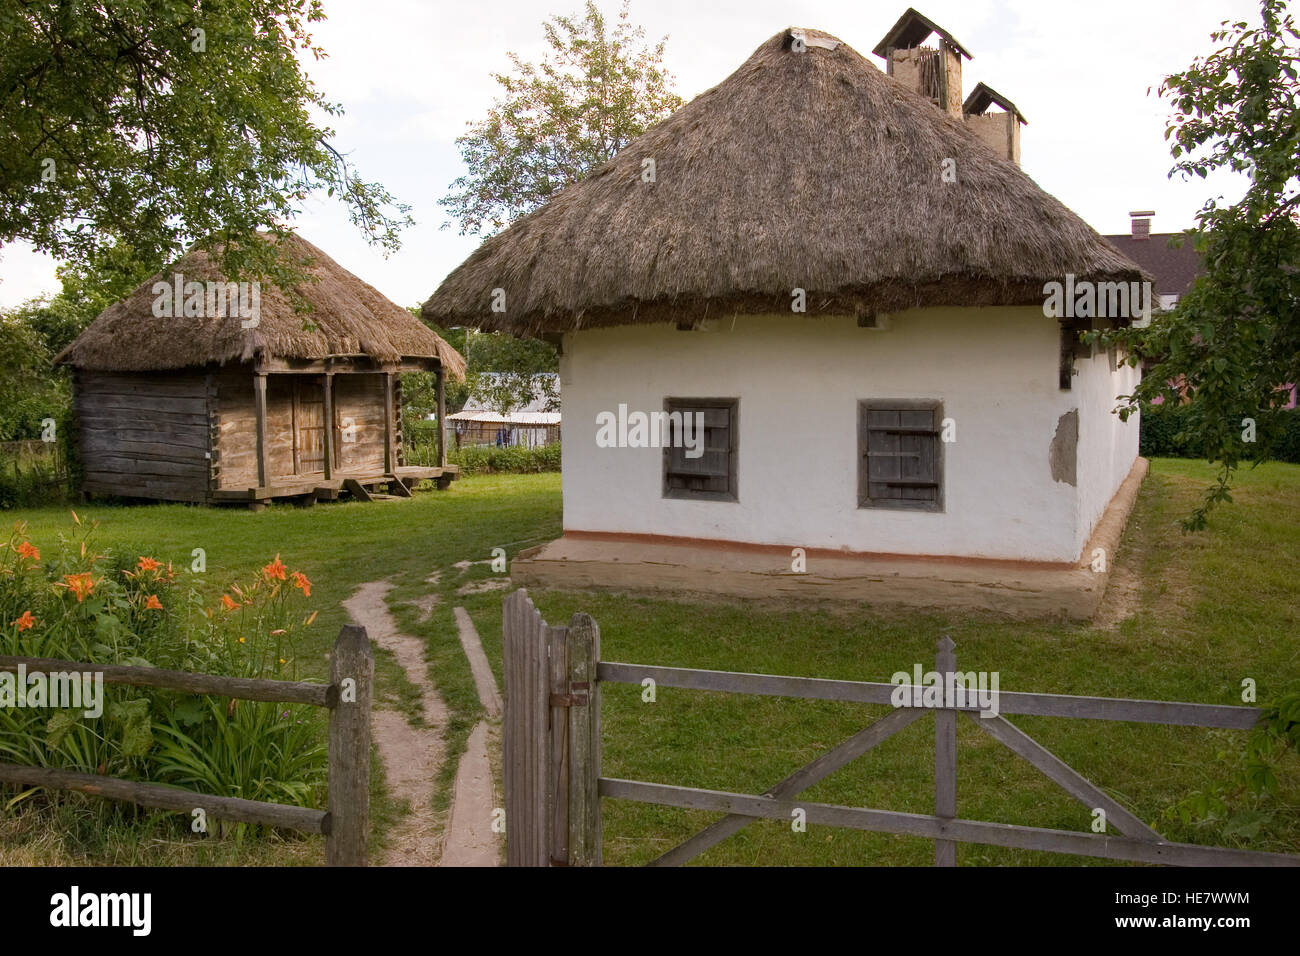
(410, 73)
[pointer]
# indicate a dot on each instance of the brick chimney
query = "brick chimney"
(933, 72)
(1141, 221)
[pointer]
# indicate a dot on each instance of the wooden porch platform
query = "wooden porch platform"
(400, 483)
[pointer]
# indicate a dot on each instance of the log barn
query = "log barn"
(299, 398)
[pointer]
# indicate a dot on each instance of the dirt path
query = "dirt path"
(411, 755)
(470, 840)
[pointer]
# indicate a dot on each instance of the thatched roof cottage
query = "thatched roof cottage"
(195, 389)
(842, 274)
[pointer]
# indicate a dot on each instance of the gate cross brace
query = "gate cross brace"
(1064, 776)
(796, 783)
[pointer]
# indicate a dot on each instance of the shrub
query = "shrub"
(1164, 433)
(489, 459)
(123, 607)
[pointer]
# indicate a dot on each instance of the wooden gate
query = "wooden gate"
(554, 785)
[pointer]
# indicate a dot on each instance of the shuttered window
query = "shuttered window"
(712, 475)
(900, 462)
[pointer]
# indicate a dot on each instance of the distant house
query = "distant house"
(1175, 266)
(180, 397)
(529, 426)
(843, 281)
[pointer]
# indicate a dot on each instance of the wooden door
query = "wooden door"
(309, 418)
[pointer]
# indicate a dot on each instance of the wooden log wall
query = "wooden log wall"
(144, 434)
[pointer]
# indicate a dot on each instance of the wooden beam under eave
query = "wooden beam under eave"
(263, 443)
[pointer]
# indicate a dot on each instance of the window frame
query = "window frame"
(865, 500)
(733, 450)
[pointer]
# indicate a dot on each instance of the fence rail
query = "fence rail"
(552, 757)
(345, 824)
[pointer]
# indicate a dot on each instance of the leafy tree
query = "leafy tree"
(155, 123)
(1234, 339)
(593, 92)
(29, 392)
(506, 373)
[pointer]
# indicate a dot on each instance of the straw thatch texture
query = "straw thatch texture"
(348, 317)
(809, 170)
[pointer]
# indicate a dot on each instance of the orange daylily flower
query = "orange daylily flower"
(27, 550)
(300, 581)
(228, 604)
(82, 585)
(25, 621)
(153, 604)
(275, 570)
(148, 564)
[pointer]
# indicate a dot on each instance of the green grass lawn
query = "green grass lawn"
(1213, 609)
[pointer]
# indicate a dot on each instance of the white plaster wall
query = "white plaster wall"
(799, 381)
(1107, 446)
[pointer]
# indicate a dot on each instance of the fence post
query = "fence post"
(352, 673)
(945, 755)
(584, 742)
(526, 744)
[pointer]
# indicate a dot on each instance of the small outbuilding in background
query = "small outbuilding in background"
(248, 398)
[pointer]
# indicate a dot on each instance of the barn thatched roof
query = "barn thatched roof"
(809, 170)
(348, 318)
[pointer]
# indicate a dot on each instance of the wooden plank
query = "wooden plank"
(945, 758)
(1065, 776)
(397, 486)
(241, 688)
(352, 671)
(934, 828)
(584, 838)
(1009, 702)
(164, 797)
(526, 734)
(557, 777)
(803, 778)
(358, 490)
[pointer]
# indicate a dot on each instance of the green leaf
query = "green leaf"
(137, 728)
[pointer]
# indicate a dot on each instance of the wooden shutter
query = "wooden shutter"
(901, 455)
(713, 474)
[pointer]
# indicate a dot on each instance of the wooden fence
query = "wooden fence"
(35, 455)
(345, 825)
(552, 758)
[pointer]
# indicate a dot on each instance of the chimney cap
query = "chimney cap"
(911, 30)
(984, 96)
(1143, 213)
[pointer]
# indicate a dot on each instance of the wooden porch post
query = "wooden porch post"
(329, 425)
(388, 424)
(442, 417)
(263, 449)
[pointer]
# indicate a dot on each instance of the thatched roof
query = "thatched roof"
(809, 170)
(348, 318)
